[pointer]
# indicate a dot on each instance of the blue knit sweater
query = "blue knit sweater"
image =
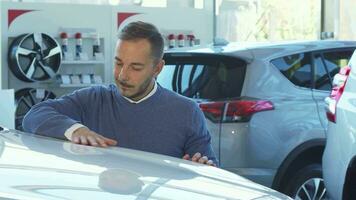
(165, 123)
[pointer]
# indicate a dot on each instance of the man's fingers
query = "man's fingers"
(92, 141)
(101, 142)
(186, 157)
(83, 140)
(87, 137)
(211, 163)
(199, 159)
(196, 157)
(203, 160)
(109, 141)
(75, 139)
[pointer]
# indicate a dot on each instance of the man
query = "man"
(137, 113)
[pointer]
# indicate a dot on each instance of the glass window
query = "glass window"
(335, 60)
(203, 85)
(297, 68)
(327, 64)
(346, 28)
(186, 73)
(268, 20)
(165, 78)
(198, 71)
(321, 77)
(206, 80)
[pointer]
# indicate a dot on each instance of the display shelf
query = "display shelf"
(82, 62)
(77, 85)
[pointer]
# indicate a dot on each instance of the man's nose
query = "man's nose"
(123, 73)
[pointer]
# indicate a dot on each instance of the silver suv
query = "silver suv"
(264, 106)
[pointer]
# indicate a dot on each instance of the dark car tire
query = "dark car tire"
(304, 177)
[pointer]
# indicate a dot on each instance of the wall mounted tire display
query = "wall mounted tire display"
(25, 99)
(34, 57)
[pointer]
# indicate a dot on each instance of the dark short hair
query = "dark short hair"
(142, 30)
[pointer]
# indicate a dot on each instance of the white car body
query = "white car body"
(274, 146)
(35, 167)
(339, 166)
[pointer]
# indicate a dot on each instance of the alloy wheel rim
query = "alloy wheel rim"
(312, 189)
(35, 57)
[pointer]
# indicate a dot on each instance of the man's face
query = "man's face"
(134, 68)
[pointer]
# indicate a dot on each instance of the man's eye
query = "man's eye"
(136, 68)
(119, 64)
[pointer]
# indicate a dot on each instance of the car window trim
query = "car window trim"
(175, 76)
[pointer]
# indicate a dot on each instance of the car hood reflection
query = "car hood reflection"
(36, 167)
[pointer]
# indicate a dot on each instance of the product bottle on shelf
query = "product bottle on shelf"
(78, 45)
(64, 38)
(191, 39)
(171, 41)
(96, 45)
(180, 40)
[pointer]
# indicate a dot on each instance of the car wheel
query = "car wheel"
(34, 57)
(307, 184)
(25, 99)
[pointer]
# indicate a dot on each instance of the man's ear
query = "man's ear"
(159, 67)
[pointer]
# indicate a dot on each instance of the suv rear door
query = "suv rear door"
(211, 80)
(325, 65)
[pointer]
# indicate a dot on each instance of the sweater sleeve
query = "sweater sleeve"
(199, 139)
(53, 117)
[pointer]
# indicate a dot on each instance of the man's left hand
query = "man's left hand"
(198, 158)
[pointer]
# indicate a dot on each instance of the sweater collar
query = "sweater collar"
(153, 91)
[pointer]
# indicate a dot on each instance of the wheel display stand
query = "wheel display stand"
(25, 99)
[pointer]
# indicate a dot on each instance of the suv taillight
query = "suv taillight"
(212, 110)
(336, 92)
(234, 111)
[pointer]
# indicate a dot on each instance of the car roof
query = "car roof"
(264, 50)
(39, 167)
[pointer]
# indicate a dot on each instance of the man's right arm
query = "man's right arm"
(53, 117)
(62, 118)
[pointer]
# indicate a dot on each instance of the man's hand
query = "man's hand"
(85, 136)
(198, 158)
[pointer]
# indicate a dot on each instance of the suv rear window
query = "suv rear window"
(313, 69)
(297, 68)
(202, 76)
(326, 65)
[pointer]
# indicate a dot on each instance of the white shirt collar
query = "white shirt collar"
(153, 91)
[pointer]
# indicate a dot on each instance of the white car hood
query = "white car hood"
(33, 167)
